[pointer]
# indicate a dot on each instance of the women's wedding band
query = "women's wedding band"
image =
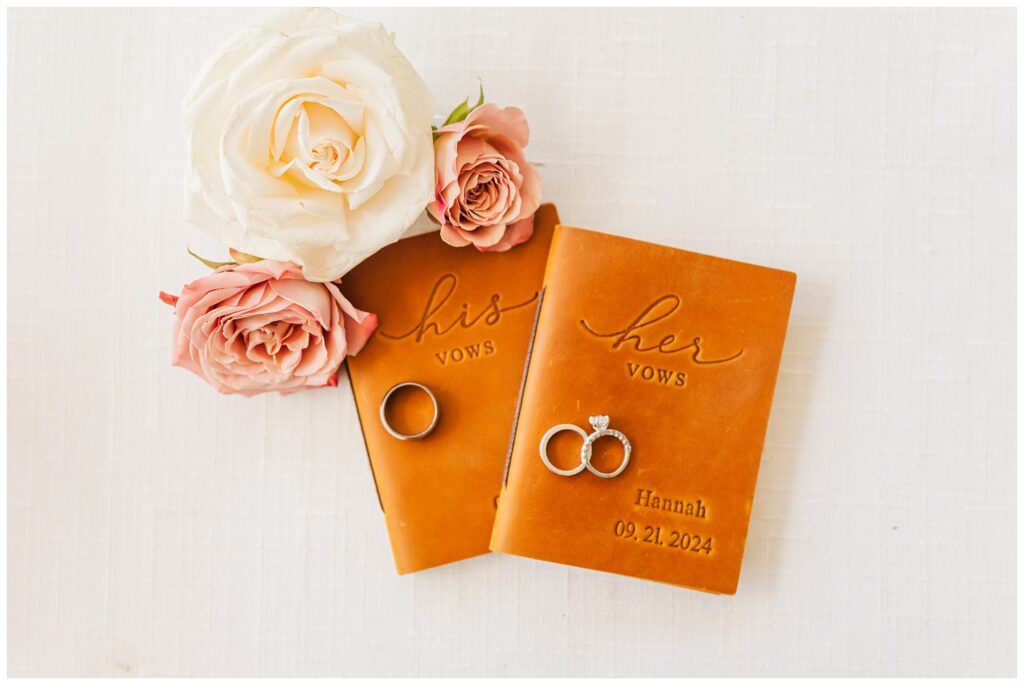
(405, 436)
(544, 449)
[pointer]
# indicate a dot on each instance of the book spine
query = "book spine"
(498, 530)
(522, 388)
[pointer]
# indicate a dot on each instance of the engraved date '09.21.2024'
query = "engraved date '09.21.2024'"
(656, 535)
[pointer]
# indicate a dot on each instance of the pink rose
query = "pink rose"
(486, 190)
(257, 327)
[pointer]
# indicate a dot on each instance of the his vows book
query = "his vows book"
(679, 352)
(457, 321)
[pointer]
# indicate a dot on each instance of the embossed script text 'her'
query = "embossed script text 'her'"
(659, 310)
(433, 320)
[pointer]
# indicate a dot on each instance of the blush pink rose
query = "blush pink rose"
(486, 191)
(257, 327)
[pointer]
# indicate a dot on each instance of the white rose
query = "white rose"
(309, 141)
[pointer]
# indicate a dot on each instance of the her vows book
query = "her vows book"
(457, 321)
(679, 352)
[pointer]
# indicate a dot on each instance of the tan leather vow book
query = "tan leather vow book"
(457, 321)
(680, 351)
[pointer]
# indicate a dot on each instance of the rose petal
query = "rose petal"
(516, 234)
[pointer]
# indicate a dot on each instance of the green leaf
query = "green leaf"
(458, 114)
(209, 263)
(480, 100)
(464, 108)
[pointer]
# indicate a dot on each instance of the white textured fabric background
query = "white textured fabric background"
(156, 527)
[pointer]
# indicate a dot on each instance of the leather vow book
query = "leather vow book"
(459, 322)
(680, 351)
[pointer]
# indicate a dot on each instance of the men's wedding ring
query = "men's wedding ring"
(407, 436)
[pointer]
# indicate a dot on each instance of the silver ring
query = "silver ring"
(403, 436)
(544, 448)
(601, 429)
(600, 424)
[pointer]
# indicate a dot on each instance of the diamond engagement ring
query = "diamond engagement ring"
(601, 429)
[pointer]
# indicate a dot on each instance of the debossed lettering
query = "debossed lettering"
(657, 311)
(433, 320)
(651, 500)
(460, 354)
(676, 379)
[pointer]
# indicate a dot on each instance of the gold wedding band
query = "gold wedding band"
(406, 436)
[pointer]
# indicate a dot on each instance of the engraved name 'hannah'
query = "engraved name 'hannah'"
(432, 320)
(649, 499)
(657, 311)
